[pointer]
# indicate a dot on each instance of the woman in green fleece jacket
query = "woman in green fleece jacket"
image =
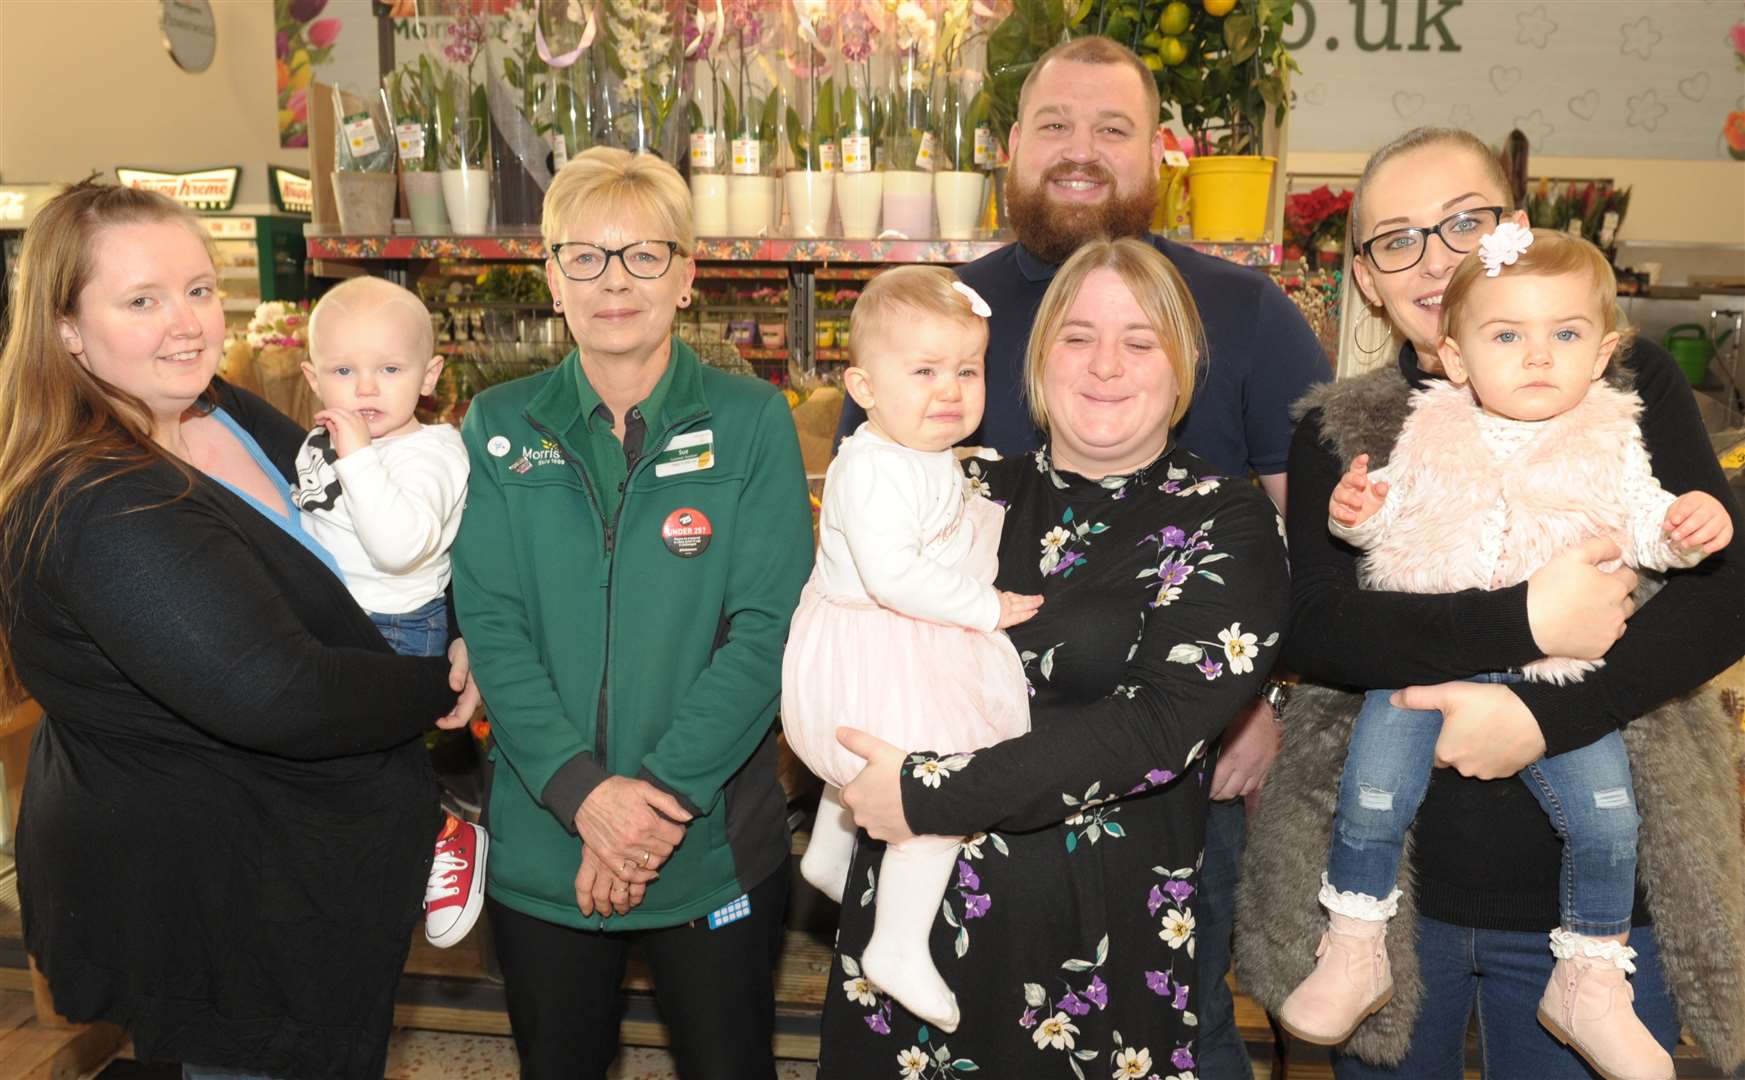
(636, 536)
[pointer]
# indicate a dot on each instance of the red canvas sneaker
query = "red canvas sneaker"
(455, 894)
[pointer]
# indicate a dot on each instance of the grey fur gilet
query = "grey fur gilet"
(1686, 757)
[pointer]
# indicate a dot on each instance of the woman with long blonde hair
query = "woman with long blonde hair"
(226, 827)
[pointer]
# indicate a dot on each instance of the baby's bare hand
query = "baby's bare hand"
(1355, 499)
(1016, 608)
(349, 431)
(1696, 520)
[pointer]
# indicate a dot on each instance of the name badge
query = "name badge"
(691, 452)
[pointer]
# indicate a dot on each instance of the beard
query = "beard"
(1053, 231)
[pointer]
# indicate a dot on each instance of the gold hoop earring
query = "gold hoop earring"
(1387, 334)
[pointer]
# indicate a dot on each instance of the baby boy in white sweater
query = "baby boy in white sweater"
(384, 493)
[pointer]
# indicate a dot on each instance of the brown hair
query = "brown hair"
(912, 290)
(1097, 50)
(1162, 296)
(1552, 254)
(1417, 139)
(57, 420)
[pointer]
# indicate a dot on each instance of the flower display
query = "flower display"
(750, 115)
(279, 323)
(300, 42)
(812, 116)
(643, 88)
(1317, 219)
(961, 104)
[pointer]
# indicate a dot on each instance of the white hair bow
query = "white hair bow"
(1503, 246)
(976, 303)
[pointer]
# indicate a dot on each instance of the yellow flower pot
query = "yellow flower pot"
(1227, 197)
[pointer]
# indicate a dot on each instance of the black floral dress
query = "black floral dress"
(1068, 932)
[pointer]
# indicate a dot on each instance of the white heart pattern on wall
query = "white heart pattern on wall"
(1504, 79)
(1585, 106)
(1694, 88)
(1405, 104)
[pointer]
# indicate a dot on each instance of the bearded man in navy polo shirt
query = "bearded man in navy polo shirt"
(1085, 154)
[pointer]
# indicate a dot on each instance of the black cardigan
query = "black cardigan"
(229, 814)
(1485, 855)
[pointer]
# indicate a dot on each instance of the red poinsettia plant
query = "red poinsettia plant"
(1312, 218)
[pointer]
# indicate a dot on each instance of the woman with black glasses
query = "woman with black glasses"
(636, 537)
(1482, 890)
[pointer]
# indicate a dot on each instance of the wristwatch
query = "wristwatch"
(1277, 692)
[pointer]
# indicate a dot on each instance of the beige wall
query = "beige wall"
(87, 85)
(1685, 201)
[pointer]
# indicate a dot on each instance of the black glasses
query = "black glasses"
(579, 260)
(1402, 249)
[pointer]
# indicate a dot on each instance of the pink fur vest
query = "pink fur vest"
(1564, 487)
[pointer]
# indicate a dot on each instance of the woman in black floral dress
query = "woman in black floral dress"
(1068, 935)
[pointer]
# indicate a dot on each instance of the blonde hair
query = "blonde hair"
(1417, 139)
(1095, 49)
(361, 295)
(900, 291)
(604, 183)
(57, 420)
(1162, 295)
(1552, 254)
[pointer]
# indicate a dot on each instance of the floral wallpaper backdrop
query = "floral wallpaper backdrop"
(1606, 78)
(330, 41)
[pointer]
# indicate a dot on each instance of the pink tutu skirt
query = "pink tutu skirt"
(915, 684)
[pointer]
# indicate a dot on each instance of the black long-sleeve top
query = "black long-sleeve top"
(229, 817)
(1485, 855)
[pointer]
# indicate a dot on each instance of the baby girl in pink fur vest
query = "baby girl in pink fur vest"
(1525, 452)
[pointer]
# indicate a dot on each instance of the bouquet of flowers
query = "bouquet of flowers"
(1593, 211)
(1317, 220)
(279, 323)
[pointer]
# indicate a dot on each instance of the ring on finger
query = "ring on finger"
(645, 857)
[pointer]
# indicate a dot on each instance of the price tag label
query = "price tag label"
(924, 156)
(1175, 159)
(857, 155)
(745, 157)
(410, 137)
(984, 146)
(827, 157)
(702, 149)
(360, 134)
(560, 150)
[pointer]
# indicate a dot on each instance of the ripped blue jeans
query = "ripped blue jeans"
(1586, 793)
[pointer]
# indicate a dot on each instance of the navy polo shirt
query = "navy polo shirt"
(1262, 357)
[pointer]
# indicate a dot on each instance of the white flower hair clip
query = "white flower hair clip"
(976, 303)
(1503, 246)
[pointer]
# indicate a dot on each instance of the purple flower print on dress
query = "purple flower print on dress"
(1159, 776)
(1154, 901)
(1182, 1058)
(881, 1020)
(1068, 560)
(1072, 1004)
(1098, 992)
(1210, 668)
(966, 876)
(1028, 1020)
(975, 905)
(1171, 537)
(1170, 572)
(1180, 1003)
(1157, 982)
(1178, 890)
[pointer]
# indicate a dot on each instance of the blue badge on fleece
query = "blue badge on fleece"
(733, 912)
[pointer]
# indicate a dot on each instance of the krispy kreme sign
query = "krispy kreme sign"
(207, 189)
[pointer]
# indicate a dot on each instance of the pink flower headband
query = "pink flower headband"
(1503, 246)
(976, 303)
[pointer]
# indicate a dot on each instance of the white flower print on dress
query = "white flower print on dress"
(913, 1062)
(932, 770)
(1239, 648)
(1178, 928)
(1052, 541)
(1055, 1033)
(1134, 1061)
(860, 991)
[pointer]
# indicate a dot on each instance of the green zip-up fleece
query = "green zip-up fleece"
(602, 650)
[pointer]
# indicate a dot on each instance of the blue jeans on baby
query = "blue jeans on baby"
(422, 631)
(1586, 793)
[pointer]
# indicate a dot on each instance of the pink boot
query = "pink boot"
(1352, 979)
(1587, 1006)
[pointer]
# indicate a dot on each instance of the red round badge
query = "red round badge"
(686, 532)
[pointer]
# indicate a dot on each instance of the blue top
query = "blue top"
(1262, 358)
(288, 519)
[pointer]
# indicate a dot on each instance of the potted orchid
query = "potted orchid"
(708, 112)
(641, 74)
(563, 45)
(965, 140)
(412, 91)
(860, 187)
(463, 120)
(752, 114)
(908, 194)
(515, 90)
(811, 117)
